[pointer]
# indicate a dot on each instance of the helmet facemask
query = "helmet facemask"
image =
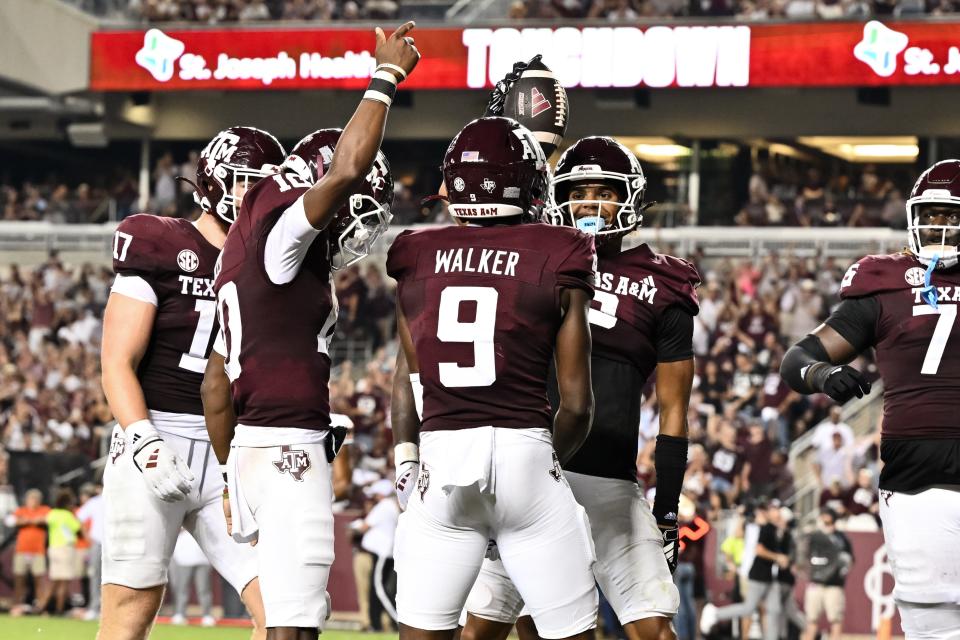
(627, 214)
(366, 220)
(928, 239)
(229, 179)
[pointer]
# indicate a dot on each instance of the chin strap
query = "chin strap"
(929, 291)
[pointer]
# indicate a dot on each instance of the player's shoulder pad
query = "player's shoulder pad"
(572, 253)
(401, 256)
(675, 277)
(881, 273)
(142, 243)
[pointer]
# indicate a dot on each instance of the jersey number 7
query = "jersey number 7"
(941, 333)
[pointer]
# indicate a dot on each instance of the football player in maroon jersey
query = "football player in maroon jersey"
(482, 307)
(641, 319)
(271, 424)
(158, 329)
(904, 305)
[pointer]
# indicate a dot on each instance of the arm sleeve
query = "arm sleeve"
(855, 319)
(136, 287)
(287, 244)
(674, 335)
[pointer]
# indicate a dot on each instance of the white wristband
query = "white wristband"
(405, 452)
(370, 94)
(393, 67)
(139, 432)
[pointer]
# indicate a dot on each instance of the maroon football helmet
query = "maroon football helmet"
(598, 160)
(360, 222)
(235, 157)
(495, 168)
(936, 194)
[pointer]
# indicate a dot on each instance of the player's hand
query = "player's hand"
(493, 551)
(226, 513)
(407, 474)
(398, 49)
(671, 546)
(164, 471)
(840, 382)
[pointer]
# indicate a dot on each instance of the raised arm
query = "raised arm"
(361, 138)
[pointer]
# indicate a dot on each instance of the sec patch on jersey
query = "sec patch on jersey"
(538, 102)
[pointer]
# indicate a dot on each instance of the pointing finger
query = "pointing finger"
(381, 38)
(403, 29)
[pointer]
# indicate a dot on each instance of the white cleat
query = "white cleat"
(708, 618)
(178, 620)
(90, 614)
(208, 621)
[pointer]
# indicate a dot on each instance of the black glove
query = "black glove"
(671, 546)
(841, 382)
(334, 442)
(502, 88)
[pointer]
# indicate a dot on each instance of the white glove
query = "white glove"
(163, 469)
(407, 458)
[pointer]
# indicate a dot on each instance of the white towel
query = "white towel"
(245, 527)
(459, 458)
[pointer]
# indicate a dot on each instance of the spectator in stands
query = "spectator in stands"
(726, 467)
(771, 549)
(823, 434)
(64, 530)
(830, 556)
(378, 528)
(190, 565)
(862, 499)
(834, 463)
(757, 471)
(29, 555)
(91, 515)
(164, 187)
(368, 406)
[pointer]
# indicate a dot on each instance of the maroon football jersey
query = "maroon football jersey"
(276, 335)
(174, 258)
(483, 307)
(633, 290)
(918, 347)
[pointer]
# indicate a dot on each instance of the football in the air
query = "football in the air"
(538, 102)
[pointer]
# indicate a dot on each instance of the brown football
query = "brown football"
(538, 102)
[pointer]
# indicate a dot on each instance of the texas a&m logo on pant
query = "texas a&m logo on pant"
(117, 445)
(294, 461)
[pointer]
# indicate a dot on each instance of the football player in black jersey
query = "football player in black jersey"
(641, 319)
(904, 305)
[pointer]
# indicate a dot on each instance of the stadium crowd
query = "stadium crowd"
(51, 400)
(790, 195)
(227, 11)
(773, 194)
(742, 416)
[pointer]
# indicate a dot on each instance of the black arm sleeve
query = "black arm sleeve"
(674, 335)
(855, 319)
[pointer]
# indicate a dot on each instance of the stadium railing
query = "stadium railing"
(746, 242)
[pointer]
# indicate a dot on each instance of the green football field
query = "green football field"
(34, 628)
